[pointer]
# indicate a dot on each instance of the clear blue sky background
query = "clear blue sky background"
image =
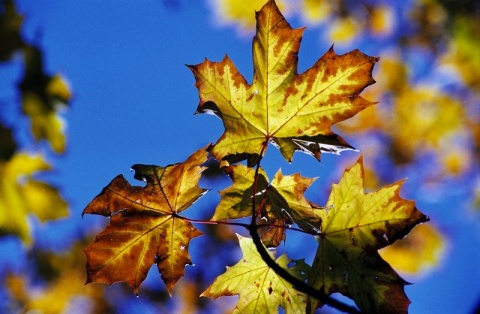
(134, 101)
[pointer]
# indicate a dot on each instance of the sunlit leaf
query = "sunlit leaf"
(144, 226)
(260, 289)
(353, 229)
(293, 111)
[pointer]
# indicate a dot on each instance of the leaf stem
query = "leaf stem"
(211, 222)
(289, 228)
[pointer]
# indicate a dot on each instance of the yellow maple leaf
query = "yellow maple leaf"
(353, 229)
(293, 111)
(259, 288)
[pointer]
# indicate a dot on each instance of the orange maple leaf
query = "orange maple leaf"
(144, 224)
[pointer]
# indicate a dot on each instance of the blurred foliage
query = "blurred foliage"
(23, 198)
(41, 94)
(42, 98)
(58, 286)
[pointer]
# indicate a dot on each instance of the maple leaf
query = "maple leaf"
(260, 289)
(354, 228)
(282, 202)
(293, 111)
(144, 224)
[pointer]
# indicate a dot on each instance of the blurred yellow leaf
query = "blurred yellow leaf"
(344, 30)
(456, 157)
(42, 96)
(463, 51)
(422, 118)
(314, 11)
(45, 124)
(20, 196)
(369, 118)
(382, 20)
(422, 249)
(240, 13)
(59, 88)
(392, 75)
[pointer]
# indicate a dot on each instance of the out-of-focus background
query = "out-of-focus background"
(89, 88)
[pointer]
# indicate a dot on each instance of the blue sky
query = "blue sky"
(134, 101)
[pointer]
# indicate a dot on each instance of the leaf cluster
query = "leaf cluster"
(294, 112)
